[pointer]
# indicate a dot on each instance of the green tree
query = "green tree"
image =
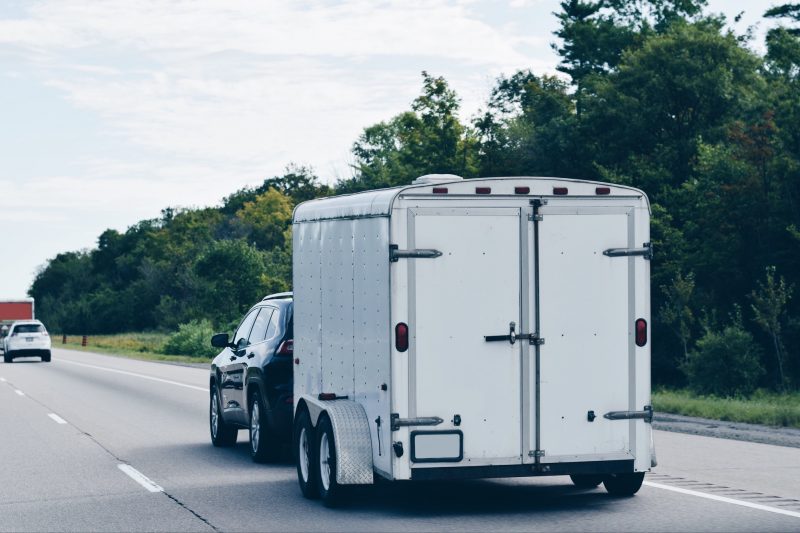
(726, 362)
(428, 139)
(266, 219)
(230, 275)
(528, 128)
(676, 312)
(769, 307)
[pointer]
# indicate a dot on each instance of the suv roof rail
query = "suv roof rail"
(277, 296)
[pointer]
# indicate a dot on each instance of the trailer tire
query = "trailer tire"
(263, 445)
(586, 481)
(305, 459)
(223, 435)
(624, 484)
(331, 492)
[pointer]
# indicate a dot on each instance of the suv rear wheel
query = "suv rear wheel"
(263, 445)
(222, 433)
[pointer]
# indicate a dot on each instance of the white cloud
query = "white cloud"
(200, 98)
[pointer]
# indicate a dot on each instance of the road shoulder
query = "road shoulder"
(777, 436)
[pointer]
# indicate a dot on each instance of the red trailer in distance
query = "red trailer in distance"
(11, 310)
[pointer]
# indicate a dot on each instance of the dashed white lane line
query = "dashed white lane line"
(134, 374)
(733, 501)
(19, 392)
(140, 478)
(57, 418)
(3, 380)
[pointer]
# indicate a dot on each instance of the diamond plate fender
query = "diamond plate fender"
(351, 437)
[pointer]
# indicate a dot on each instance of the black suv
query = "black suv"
(251, 380)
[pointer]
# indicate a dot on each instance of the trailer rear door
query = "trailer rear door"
(471, 291)
(586, 303)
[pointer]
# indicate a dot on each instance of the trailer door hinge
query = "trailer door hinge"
(397, 422)
(536, 453)
(536, 218)
(396, 254)
(645, 414)
(645, 251)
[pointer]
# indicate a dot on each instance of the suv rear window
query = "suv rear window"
(29, 328)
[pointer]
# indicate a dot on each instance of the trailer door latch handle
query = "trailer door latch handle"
(646, 414)
(396, 254)
(513, 336)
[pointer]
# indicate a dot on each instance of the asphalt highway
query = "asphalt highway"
(98, 443)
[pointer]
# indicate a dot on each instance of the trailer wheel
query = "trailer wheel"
(263, 445)
(222, 433)
(624, 484)
(304, 455)
(329, 489)
(585, 481)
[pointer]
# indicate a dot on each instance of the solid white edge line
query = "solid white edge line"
(57, 418)
(134, 374)
(19, 392)
(751, 505)
(139, 478)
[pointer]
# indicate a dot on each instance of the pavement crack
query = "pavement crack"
(195, 513)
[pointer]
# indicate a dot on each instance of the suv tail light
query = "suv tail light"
(401, 337)
(286, 348)
(641, 332)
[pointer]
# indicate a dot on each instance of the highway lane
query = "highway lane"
(153, 417)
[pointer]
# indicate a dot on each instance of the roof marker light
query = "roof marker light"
(602, 190)
(483, 190)
(522, 190)
(560, 191)
(440, 190)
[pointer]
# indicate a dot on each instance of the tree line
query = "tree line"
(657, 94)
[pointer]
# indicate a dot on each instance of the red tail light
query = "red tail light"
(560, 191)
(45, 334)
(641, 332)
(483, 190)
(286, 348)
(401, 337)
(440, 190)
(522, 190)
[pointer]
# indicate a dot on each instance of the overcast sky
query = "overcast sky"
(112, 110)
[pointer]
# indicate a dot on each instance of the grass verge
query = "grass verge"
(145, 346)
(767, 408)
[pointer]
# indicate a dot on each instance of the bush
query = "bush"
(725, 363)
(192, 338)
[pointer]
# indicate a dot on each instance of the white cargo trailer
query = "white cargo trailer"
(473, 328)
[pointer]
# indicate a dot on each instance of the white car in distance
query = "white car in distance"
(26, 338)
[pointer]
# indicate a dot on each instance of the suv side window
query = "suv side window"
(260, 325)
(273, 325)
(244, 328)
